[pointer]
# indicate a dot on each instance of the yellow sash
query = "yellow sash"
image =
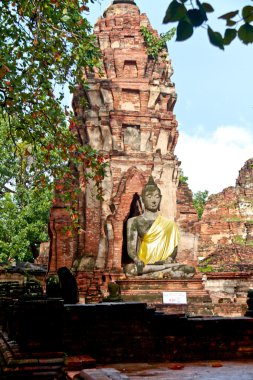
(160, 241)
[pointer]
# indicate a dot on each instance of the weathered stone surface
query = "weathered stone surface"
(43, 256)
(226, 228)
(228, 291)
(187, 219)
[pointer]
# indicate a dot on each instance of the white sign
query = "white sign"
(175, 297)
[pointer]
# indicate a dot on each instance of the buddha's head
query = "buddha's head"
(151, 196)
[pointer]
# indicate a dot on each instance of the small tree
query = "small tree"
(156, 44)
(183, 178)
(199, 201)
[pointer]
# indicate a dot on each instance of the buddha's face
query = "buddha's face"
(151, 200)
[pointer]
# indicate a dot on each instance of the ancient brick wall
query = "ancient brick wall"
(129, 332)
(226, 228)
(62, 241)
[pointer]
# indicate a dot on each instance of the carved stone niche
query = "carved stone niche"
(131, 137)
(130, 69)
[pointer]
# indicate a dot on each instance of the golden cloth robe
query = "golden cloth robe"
(160, 241)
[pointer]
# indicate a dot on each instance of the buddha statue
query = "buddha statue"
(152, 240)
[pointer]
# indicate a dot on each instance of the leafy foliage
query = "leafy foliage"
(156, 44)
(183, 178)
(24, 209)
(23, 223)
(190, 14)
(199, 201)
(44, 46)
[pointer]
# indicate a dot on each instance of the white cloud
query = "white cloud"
(213, 162)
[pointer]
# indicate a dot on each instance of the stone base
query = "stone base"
(151, 292)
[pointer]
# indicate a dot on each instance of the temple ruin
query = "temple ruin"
(126, 113)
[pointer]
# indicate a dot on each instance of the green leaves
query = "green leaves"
(21, 227)
(247, 13)
(156, 44)
(215, 38)
(230, 35)
(229, 15)
(196, 17)
(24, 210)
(187, 18)
(175, 12)
(45, 45)
(184, 29)
(190, 14)
(199, 201)
(245, 33)
(207, 7)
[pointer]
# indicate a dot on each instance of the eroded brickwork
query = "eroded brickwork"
(187, 220)
(226, 228)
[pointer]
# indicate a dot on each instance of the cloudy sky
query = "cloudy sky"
(215, 103)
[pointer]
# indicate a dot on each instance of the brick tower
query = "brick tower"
(128, 115)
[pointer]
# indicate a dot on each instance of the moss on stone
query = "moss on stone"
(206, 269)
(233, 219)
(238, 239)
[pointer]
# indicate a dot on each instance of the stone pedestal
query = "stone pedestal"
(151, 292)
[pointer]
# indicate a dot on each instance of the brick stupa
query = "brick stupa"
(128, 115)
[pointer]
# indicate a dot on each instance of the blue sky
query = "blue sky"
(215, 103)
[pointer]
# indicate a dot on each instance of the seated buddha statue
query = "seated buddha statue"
(152, 239)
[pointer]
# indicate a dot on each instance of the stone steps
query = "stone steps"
(17, 364)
